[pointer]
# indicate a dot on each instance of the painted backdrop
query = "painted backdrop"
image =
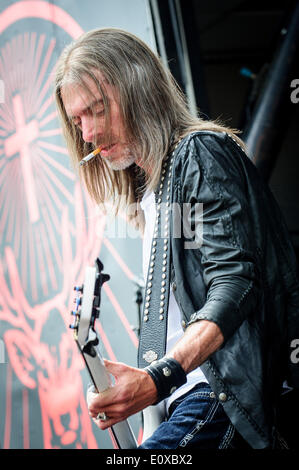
(50, 232)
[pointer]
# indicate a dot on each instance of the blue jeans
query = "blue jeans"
(197, 420)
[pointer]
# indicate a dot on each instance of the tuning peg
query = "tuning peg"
(79, 288)
(105, 278)
(99, 264)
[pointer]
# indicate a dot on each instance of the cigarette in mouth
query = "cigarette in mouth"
(90, 156)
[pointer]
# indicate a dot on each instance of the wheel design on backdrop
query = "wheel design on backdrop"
(32, 152)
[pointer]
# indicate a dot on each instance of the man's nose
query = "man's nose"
(88, 126)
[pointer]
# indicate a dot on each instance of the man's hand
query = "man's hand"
(133, 391)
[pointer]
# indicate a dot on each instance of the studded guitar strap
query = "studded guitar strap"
(152, 342)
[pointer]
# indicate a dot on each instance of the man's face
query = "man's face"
(85, 107)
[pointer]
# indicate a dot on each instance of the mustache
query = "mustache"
(111, 139)
(107, 142)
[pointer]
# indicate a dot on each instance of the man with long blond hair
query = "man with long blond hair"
(221, 296)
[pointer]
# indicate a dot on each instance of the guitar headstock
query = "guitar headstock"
(86, 312)
(87, 307)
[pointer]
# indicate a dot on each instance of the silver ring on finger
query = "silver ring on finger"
(102, 416)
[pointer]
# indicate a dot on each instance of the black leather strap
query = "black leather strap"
(152, 342)
(168, 375)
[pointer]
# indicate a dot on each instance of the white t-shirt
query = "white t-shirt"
(174, 327)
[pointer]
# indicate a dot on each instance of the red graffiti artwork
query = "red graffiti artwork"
(53, 371)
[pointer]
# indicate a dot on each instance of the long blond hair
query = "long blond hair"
(152, 107)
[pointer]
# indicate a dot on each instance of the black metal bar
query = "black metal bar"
(193, 37)
(170, 41)
(265, 133)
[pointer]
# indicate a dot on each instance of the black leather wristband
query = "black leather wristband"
(168, 375)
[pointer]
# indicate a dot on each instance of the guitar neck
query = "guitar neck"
(121, 433)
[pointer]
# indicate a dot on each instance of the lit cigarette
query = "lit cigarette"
(90, 156)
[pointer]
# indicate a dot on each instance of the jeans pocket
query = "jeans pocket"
(227, 438)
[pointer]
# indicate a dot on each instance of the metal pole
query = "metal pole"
(264, 135)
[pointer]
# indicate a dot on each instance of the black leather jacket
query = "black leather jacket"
(242, 276)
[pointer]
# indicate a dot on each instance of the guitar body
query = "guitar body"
(153, 416)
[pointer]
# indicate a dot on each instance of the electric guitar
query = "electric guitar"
(86, 312)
